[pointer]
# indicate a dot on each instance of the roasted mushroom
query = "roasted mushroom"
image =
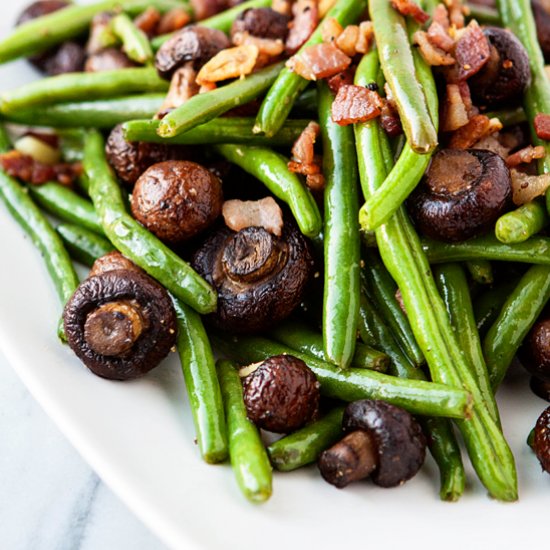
(504, 78)
(177, 199)
(130, 159)
(281, 394)
(260, 278)
(194, 43)
(112, 261)
(541, 441)
(541, 11)
(382, 441)
(108, 59)
(120, 323)
(534, 355)
(261, 22)
(462, 195)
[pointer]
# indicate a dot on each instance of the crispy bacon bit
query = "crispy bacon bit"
(338, 80)
(182, 88)
(348, 39)
(324, 6)
(408, 7)
(229, 63)
(319, 61)
(525, 188)
(268, 47)
(264, 213)
(472, 51)
(366, 37)
(433, 55)
(173, 20)
(440, 38)
(441, 16)
(478, 127)
(148, 20)
(526, 155)
(454, 113)
(315, 182)
(390, 121)
(304, 161)
(355, 104)
(467, 99)
(542, 126)
(282, 6)
(306, 17)
(331, 29)
(456, 13)
(29, 170)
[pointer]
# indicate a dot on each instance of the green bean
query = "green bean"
(271, 169)
(402, 254)
(247, 453)
(83, 245)
(484, 15)
(536, 250)
(77, 86)
(134, 41)
(522, 223)
(519, 313)
(201, 382)
(300, 337)
(280, 99)
(71, 144)
(453, 287)
(42, 234)
(304, 446)
(306, 103)
(67, 205)
(341, 235)
(417, 396)
(383, 288)
(204, 107)
(101, 113)
(398, 64)
(46, 31)
(481, 271)
(509, 117)
(221, 21)
(133, 240)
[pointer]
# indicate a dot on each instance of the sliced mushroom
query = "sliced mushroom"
(281, 394)
(260, 278)
(534, 355)
(194, 43)
(462, 195)
(120, 324)
(382, 441)
(541, 441)
(261, 22)
(108, 59)
(504, 78)
(177, 200)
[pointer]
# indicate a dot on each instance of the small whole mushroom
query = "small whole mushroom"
(534, 355)
(120, 322)
(260, 278)
(462, 195)
(504, 78)
(281, 394)
(177, 199)
(382, 441)
(541, 441)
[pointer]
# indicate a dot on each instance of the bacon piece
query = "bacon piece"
(433, 55)
(456, 13)
(542, 126)
(338, 80)
(324, 6)
(441, 16)
(173, 20)
(390, 121)
(148, 20)
(454, 112)
(306, 17)
(316, 182)
(29, 170)
(319, 61)
(478, 127)
(472, 51)
(355, 104)
(331, 29)
(282, 6)
(347, 40)
(526, 155)
(268, 47)
(440, 38)
(408, 7)
(366, 37)
(525, 187)
(304, 160)
(264, 213)
(229, 63)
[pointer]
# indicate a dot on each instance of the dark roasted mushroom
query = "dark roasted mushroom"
(112, 261)
(462, 195)
(130, 159)
(261, 22)
(194, 43)
(68, 57)
(120, 323)
(281, 394)
(109, 59)
(177, 199)
(541, 11)
(534, 355)
(382, 441)
(260, 278)
(541, 441)
(504, 78)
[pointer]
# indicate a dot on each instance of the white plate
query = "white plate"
(138, 436)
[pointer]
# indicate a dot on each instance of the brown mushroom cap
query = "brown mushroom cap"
(399, 440)
(193, 43)
(120, 324)
(130, 159)
(541, 442)
(112, 261)
(542, 20)
(261, 22)
(260, 278)
(282, 394)
(505, 77)
(534, 355)
(108, 59)
(462, 195)
(177, 199)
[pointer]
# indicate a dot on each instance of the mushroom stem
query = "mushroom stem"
(353, 458)
(113, 328)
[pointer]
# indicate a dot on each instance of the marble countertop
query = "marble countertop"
(50, 499)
